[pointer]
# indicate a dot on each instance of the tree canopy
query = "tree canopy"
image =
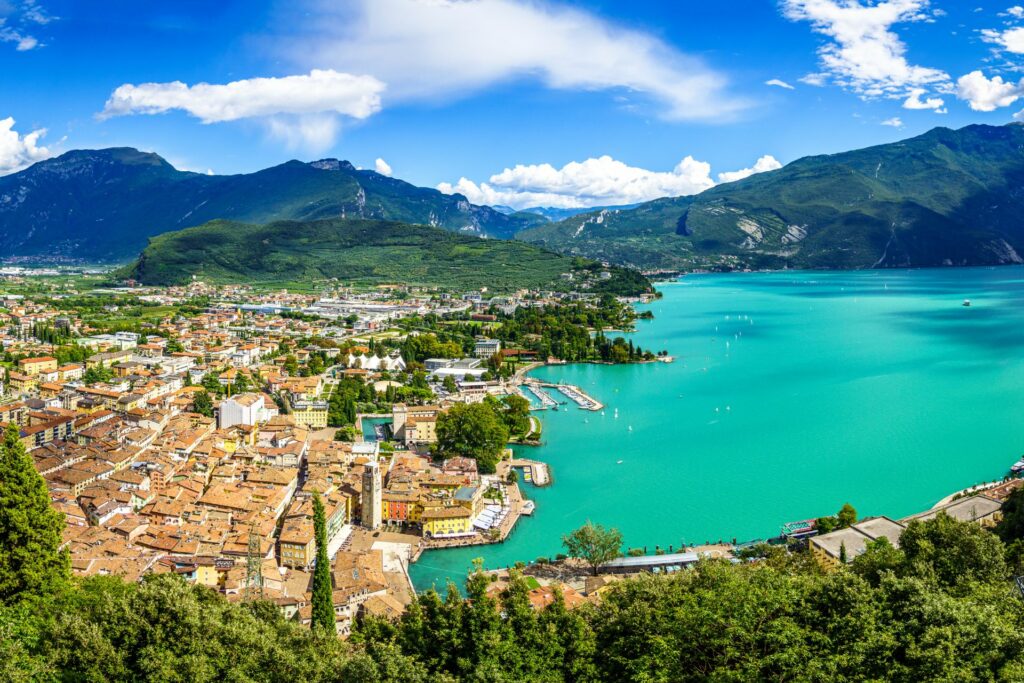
(473, 430)
(31, 562)
(593, 544)
(323, 605)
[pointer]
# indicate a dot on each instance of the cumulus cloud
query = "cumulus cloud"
(914, 101)
(894, 122)
(1011, 40)
(988, 94)
(765, 163)
(440, 49)
(383, 167)
(18, 151)
(779, 84)
(302, 110)
(864, 55)
(1017, 12)
(602, 181)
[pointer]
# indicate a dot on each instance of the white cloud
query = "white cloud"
(18, 151)
(779, 84)
(1017, 12)
(440, 49)
(864, 54)
(1011, 40)
(988, 94)
(383, 167)
(914, 101)
(23, 42)
(765, 163)
(595, 182)
(302, 110)
(894, 122)
(17, 20)
(817, 79)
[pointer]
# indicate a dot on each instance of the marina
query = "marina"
(579, 397)
(545, 400)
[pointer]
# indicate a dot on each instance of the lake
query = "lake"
(792, 393)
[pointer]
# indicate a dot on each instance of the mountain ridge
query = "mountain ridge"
(946, 197)
(366, 251)
(104, 204)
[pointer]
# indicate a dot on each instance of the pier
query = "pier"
(545, 400)
(577, 395)
(539, 474)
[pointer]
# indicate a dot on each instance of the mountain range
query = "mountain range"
(948, 197)
(104, 204)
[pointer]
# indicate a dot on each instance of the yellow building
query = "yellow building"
(297, 544)
(21, 384)
(445, 521)
(421, 430)
(310, 414)
(37, 366)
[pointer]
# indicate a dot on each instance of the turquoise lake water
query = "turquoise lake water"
(792, 393)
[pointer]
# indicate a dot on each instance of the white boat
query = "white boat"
(967, 302)
(618, 462)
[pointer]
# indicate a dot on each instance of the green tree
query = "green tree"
(203, 404)
(1011, 526)
(211, 383)
(880, 557)
(473, 430)
(99, 373)
(594, 544)
(449, 384)
(847, 516)
(952, 552)
(323, 605)
(31, 561)
(514, 411)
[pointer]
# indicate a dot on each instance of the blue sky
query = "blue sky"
(583, 102)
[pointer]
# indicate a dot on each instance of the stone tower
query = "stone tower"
(371, 495)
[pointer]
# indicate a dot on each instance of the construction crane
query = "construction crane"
(254, 565)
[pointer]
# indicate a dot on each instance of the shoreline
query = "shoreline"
(976, 488)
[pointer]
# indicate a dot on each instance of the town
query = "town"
(187, 430)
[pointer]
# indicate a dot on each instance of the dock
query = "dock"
(577, 396)
(545, 400)
(537, 472)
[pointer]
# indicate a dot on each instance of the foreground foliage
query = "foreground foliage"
(941, 610)
(941, 607)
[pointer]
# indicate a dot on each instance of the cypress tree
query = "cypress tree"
(323, 605)
(31, 561)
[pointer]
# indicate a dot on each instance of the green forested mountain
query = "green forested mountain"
(360, 250)
(103, 204)
(948, 197)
